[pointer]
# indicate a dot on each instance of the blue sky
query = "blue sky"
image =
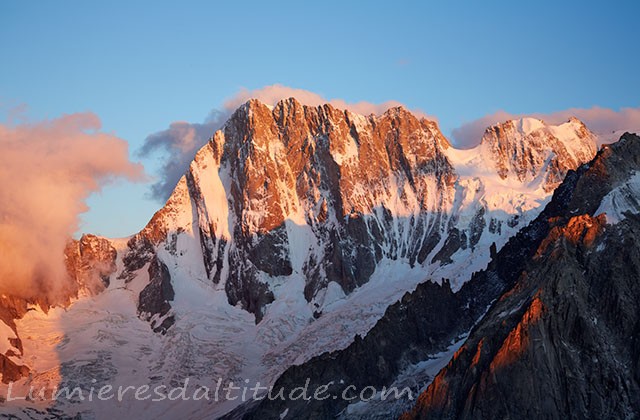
(141, 65)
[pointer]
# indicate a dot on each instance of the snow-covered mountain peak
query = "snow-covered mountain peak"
(531, 151)
(282, 179)
(527, 125)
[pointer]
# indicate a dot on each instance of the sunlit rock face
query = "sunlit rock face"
(527, 148)
(90, 262)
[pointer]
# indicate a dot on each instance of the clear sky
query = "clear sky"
(141, 65)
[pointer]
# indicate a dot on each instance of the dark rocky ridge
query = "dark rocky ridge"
(564, 341)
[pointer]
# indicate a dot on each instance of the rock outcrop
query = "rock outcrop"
(90, 263)
(11, 367)
(153, 301)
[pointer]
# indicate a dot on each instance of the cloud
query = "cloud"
(180, 142)
(469, 134)
(600, 120)
(47, 170)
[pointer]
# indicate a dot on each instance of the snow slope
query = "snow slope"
(622, 199)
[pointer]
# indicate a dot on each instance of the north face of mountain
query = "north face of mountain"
(328, 194)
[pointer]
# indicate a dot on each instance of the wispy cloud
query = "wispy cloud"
(47, 170)
(181, 140)
(178, 145)
(599, 120)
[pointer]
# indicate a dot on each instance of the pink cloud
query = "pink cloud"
(600, 120)
(47, 170)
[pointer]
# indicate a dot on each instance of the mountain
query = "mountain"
(563, 341)
(548, 330)
(526, 149)
(327, 194)
(291, 233)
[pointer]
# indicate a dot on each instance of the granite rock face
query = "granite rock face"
(153, 302)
